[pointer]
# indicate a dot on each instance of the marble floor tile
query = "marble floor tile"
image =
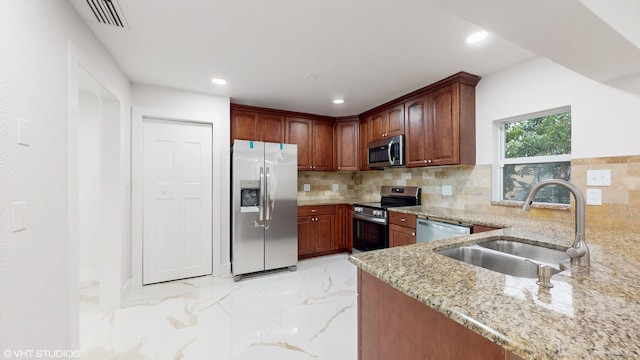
(307, 314)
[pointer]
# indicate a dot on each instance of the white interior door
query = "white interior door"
(176, 240)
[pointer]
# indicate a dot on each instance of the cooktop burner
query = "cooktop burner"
(395, 196)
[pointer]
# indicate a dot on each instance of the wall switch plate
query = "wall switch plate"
(19, 214)
(447, 190)
(23, 132)
(598, 177)
(306, 187)
(594, 197)
(335, 187)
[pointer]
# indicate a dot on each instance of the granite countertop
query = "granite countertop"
(318, 202)
(589, 313)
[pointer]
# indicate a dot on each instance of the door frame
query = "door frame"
(138, 114)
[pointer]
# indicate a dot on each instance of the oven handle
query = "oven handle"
(369, 219)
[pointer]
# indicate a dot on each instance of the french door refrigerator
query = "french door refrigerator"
(264, 207)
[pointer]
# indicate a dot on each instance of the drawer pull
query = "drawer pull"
(403, 219)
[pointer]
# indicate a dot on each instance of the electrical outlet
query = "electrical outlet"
(598, 177)
(594, 197)
(447, 190)
(335, 187)
(306, 187)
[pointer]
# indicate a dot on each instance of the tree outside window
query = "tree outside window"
(536, 148)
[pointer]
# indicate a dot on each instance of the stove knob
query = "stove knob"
(357, 209)
(377, 212)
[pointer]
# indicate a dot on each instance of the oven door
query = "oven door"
(368, 234)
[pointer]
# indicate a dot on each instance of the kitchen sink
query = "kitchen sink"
(529, 251)
(508, 257)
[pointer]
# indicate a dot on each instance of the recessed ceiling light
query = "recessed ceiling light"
(218, 81)
(477, 37)
(338, 101)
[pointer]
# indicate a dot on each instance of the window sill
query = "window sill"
(536, 205)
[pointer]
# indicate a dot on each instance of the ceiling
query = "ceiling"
(300, 55)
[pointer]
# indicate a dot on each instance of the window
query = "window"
(533, 148)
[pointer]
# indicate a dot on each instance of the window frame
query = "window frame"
(500, 159)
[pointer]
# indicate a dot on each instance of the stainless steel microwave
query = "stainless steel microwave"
(386, 152)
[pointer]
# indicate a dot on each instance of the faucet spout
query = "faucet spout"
(579, 251)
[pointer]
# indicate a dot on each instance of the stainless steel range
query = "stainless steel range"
(371, 220)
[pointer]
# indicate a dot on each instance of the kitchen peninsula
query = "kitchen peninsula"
(590, 313)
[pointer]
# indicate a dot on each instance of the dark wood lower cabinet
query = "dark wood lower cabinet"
(323, 230)
(392, 325)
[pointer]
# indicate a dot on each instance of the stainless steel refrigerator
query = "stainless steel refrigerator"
(264, 207)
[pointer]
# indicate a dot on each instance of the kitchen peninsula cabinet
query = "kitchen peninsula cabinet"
(392, 325)
(402, 229)
(388, 122)
(316, 231)
(440, 125)
(315, 142)
(252, 124)
(347, 145)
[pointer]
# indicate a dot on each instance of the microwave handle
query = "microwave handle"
(391, 161)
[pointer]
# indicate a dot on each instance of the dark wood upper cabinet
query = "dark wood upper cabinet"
(440, 126)
(256, 125)
(388, 122)
(299, 131)
(273, 128)
(363, 142)
(347, 145)
(438, 122)
(323, 147)
(315, 142)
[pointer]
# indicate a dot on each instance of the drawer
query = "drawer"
(316, 210)
(406, 220)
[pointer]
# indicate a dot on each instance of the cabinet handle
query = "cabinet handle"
(425, 161)
(314, 210)
(403, 219)
(429, 161)
(413, 234)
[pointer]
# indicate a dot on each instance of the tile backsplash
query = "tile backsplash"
(471, 189)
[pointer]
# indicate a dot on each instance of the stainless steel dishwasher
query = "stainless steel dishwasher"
(431, 230)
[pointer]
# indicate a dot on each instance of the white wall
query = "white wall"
(34, 264)
(605, 120)
(174, 104)
(89, 230)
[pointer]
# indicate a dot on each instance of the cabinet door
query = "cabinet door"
(322, 138)
(395, 120)
(400, 235)
(444, 127)
(298, 131)
(325, 231)
(347, 145)
(344, 226)
(364, 139)
(306, 236)
(245, 125)
(378, 126)
(272, 128)
(415, 132)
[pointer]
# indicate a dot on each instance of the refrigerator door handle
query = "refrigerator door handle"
(262, 191)
(267, 204)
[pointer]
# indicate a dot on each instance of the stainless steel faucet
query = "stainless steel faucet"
(578, 252)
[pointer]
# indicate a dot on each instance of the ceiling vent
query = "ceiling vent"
(107, 12)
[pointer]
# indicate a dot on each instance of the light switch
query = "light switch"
(23, 132)
(335, 187)
(598, 177)
(306, 187)
(19, 214)
(447, 190)
(594, 197)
